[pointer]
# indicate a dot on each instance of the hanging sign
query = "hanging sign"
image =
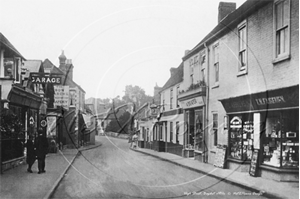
(43, 123)
(31, 120)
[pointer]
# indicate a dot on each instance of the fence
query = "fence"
(12, 148)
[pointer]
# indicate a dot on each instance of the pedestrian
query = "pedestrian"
(130, 141)
(134, 140)
(30, 153)
(41, 145)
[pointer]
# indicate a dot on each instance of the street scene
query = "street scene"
(149, 99)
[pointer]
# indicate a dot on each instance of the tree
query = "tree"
(116, 125)
(136, 95)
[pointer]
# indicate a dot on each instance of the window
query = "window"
(203, 57)
(280, 140)
(171, 131)
(242, 46)
(177, 132)
(192, 78)
(282, 28)
(215, 129)
(11, 68)
(216, 63)
(171, 98)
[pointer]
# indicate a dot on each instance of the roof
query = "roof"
(4, 41)
(49, 66)
(228, 23)
(176, 78)
(33, 66)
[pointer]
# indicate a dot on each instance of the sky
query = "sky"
(112, 43)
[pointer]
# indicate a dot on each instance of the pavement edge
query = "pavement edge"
(253, 189)
(51, 191)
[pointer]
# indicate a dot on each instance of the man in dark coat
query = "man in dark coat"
(30, 153)
(41, 145)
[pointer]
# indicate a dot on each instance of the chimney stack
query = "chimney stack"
(172, 71)
(225, 8)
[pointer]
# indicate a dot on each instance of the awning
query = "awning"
(22, 97)
(284, 98)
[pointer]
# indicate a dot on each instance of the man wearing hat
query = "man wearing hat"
(41, 146)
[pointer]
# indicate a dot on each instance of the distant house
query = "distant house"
(66, 104)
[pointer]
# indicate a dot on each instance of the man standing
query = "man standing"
(41, 146)
(31, 156)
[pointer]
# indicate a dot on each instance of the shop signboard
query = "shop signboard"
(191, 103)
(44, 78)
(273, 99)
(220, 156)
(254, 163)
(51, 126)
(61, 96)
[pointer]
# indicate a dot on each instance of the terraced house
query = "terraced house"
(253, 87)
(239, 92)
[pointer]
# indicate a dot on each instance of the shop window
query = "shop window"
(280, 143)
(282, 29)
(160, 132)
(241, 137)
(215, 129)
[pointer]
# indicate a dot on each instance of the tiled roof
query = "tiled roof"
(33, 66)
(4, 41)
(176, 78)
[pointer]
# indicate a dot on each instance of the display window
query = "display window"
(241, 137)
(280, 143)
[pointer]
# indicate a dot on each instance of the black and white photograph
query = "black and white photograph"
(149, 99)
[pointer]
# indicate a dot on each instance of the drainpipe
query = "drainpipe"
(206, 131)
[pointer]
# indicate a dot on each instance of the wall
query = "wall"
(262, 74)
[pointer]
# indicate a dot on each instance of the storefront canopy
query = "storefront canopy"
(24, 98)
(284, 98)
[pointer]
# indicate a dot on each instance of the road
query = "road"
(114, 171)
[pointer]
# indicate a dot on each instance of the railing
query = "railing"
(199, 86)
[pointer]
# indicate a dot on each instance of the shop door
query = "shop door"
(186, 129)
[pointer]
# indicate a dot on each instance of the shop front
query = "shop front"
(26, 106)
(194, 144)
(267, 122)
(159, 143)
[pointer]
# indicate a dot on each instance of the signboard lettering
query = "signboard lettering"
(61, 96)
(220, 156)
(197, 101)
(270, 100)
(42, 78)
